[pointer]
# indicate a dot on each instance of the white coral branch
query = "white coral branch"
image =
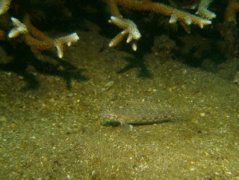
(129, 28)
(4, 6)
(68, 40)
(19, 28)
(203, 11)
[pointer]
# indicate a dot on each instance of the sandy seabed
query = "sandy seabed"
(51, 115)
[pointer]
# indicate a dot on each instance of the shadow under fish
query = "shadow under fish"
(115, 123)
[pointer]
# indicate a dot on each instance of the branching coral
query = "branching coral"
(38, 41)
(175, 14)
(19, 28)
(2, 35)
(147, 5)
(129, 28)
(4, 6)
(231, 10)
(203, 11)
(34, 38)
